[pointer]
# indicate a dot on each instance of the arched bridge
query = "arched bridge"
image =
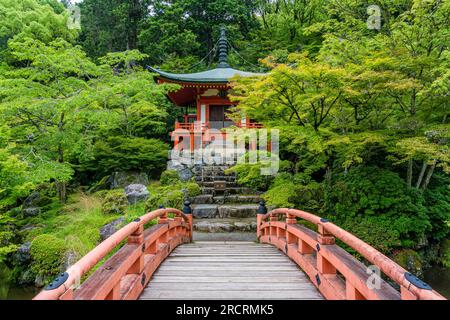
(290, 261)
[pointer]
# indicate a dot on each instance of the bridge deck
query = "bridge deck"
(229, 270)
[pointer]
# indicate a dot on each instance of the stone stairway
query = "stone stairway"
(225, 211)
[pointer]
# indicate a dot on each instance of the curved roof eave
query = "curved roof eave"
(218, 75)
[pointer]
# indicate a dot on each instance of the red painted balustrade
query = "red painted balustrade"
(127, 272)
(335, 272)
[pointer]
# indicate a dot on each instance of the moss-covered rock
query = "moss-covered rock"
(47, 253)
(410, 260)
(114, 202)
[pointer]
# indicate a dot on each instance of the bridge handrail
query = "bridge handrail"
(326, 233)
(85, 264)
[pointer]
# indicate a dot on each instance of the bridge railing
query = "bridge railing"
(127, 272)
(336, 273)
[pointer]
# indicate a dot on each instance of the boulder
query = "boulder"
(108, 230)
(184, 171)
(122, 179)
(31, 212)
(31, 205)
(175, 165)
(23, 255)
(186, 175)
(136, 193)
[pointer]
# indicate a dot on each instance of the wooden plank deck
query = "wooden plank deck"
(229, 270)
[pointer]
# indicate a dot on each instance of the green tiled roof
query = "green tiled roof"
(218, 75)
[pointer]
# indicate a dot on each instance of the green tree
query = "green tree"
(37, 19)
(111, 25)
(46, 103)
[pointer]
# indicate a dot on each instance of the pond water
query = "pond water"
(25, 293)
(439, 279)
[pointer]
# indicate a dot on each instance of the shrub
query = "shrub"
(377, 206)
(192, 189)
(168, 196)
(115, 202)
(249, 175)
(169, 177)
(129, 154)
(47, 252)
(172, 196)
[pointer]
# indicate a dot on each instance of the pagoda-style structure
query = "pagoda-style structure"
(204, 95)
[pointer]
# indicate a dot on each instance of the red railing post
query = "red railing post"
(290, 238)
(137, 238)
(324, 238)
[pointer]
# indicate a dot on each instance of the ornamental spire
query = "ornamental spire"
(223, 49)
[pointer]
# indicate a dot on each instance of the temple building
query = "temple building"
(204, 96)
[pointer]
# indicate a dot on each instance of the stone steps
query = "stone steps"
(223, 215)
(225, 225)
(209, 178)
(229, 191)
(211, 211)
(210, 199)
(229, 184)
(225, 236)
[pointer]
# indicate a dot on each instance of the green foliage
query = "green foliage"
(47, 251)
(250, 174)
(192, 189)
(438, 207)
(168, 196)
(14, 179)
(7, 245)
(121, 153)
(41, 20)
(379, 232)
(382, 197)
(170, 177)
(171, 196)
(114, 202)
(5, 278)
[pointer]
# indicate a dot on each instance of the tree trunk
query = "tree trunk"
(422, 173)
(429, 175)
(61, 186)
(62, 191)
(328, 176)
(409, 174)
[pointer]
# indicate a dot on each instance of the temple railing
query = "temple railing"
(191, 127)
(251, 125)
(336, 273)
(127, 272)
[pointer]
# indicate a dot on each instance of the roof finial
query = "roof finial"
(223, 49)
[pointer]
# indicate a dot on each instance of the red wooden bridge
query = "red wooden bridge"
(290, 261)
